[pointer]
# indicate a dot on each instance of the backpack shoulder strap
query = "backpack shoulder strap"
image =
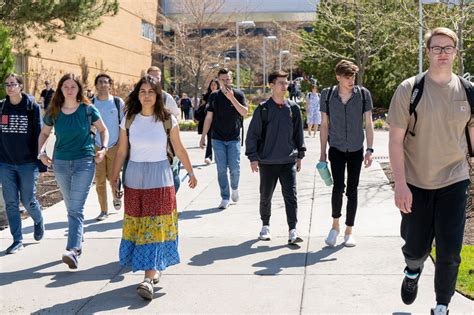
(328, 98)
(364, 98)
(469, 88)
(128, 122)
(416, 94)
(2, 103)
(117, 105)
(168, 125)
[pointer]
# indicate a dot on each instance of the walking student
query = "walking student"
(19, 165)
(275, 147)
(344, 108)
(150, 224)
(313, 115)
(225, 113)
(111, 110)
(428, 159)
(74, 158)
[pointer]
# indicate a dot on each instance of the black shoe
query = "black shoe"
(38, 230)
(15, 247)
(409, 288)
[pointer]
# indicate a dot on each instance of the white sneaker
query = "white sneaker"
(332, 238)
(293, 237)
(349, 241)
(224, 204)
(235, 195)
(440, 310)
(207, 161)
(265, 233)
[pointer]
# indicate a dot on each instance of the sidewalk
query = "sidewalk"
(224, 269)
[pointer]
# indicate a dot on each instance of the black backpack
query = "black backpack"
(417, 92)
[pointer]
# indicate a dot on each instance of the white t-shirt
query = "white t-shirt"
(147, 138)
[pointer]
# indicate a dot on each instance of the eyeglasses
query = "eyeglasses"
(10, 85)
(103, 82)
(437, 50)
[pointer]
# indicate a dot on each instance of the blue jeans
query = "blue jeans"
(74, 180)
(20, 179)
(227, 155)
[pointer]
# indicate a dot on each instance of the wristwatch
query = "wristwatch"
(40, 155)
(103, 148)
(370, 150)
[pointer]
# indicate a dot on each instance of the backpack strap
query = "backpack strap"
(469, 88)
(170, 154)
(416, 94)
(2, 102)
(328, 98)
(117, 105)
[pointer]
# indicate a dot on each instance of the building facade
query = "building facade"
(120, 47)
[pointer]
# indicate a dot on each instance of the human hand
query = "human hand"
(254, 166)
(403, 198)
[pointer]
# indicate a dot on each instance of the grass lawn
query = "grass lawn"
(465, 283)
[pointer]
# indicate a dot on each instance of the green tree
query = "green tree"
(48, 19)
(7, 61)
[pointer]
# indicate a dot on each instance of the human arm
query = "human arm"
(120, 157)
(403, 196)
(205, 129)
(42, 140)
(254, 136)
(182, 155)
(104, 138)
(369, 134)
(241, 108)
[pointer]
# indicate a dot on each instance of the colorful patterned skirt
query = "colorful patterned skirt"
(150, 223)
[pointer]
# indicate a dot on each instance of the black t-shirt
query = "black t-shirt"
(226, 120)
(47, 95)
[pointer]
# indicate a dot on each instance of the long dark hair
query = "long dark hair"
(133, 105)
(205, 98)
(58, 98)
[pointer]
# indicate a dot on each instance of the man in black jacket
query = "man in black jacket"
(275, 147)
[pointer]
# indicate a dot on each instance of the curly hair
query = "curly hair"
(133, 105)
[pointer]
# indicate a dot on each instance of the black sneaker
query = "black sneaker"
(38, 230)
(409, 288)
(15, 247)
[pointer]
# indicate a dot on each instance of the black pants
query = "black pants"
(186, 113)
(439, 214)
(339, 160)
(269, 175)
(209, 146)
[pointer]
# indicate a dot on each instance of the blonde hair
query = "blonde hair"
(441, 31)
(153, 68)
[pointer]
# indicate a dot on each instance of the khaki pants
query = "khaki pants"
(103, 173)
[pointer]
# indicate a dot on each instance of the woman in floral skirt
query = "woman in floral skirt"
(150, 224)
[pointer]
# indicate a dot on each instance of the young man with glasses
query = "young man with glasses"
(344, 108)
(275, 147)
(431, 170)
(111, 110)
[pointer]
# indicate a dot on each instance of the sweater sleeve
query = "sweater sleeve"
(254, 134)
(36, 132)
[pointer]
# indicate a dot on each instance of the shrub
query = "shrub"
(188, 125)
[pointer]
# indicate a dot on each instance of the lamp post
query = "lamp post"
(265, 62)
(237, 25)
(287, 52)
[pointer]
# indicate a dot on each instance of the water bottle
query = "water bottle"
(324, 172)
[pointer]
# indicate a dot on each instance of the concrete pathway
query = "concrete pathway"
(224, 269)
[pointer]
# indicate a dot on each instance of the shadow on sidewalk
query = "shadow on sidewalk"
(294, 260)
(212, 255)
(63, 278)
(104, 301)
(197, 214)
(90, 225)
